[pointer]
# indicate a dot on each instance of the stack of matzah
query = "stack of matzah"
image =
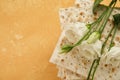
(74, 65)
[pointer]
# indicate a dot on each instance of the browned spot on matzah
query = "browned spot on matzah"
(109, 20)
(66, 9)
(118, 67)
(95, 18)
(112, 23)
(71, 63)
(62, 17)
(79, 19)
(64, 41)
(110, 35)
(81, 13)
(106, 65)
(85, 4)
(77, 74)
(78, 5)
(95, 13)
(65, 77)
(113, 69)
(72, 72)
(110, 76)
(62, 60)
(102, 36)
(117, 38)
(69, 14)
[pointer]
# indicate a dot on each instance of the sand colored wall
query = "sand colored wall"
(29, 30)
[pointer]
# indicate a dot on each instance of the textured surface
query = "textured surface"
(67, 21)
(29, 30)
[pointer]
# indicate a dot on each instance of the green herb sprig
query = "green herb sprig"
(95, 63)
(97, 27)
(113, 30)
(117, 26)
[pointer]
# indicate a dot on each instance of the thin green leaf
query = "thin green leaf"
(96, 3)
(66, 48)
(112, 2)
(117, 20)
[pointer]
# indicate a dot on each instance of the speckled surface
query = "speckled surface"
(29, 30)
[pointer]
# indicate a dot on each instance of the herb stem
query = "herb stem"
(116, 26)
(104, 16)
(100, 18)
(97, 22)
(104, 44)
(111, 43)
(106, 19)
(88, 33)
(96, 61)
(91, 69)
(79, 42)
(96, 66)
(93, 26)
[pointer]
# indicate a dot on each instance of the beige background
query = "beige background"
(29, 30)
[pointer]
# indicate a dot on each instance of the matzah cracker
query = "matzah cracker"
(69, 75)
(75, 62)
(70, 15)
(109, 72)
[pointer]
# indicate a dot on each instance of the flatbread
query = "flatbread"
(76, 13)
(80, 12)
(69, 75)
(67, 15)
(65, 62)
(77, 63)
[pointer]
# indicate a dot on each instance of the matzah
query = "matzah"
(74, 61)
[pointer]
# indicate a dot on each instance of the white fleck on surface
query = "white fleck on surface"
(13, 43)
(4, 49)
(18, 36)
